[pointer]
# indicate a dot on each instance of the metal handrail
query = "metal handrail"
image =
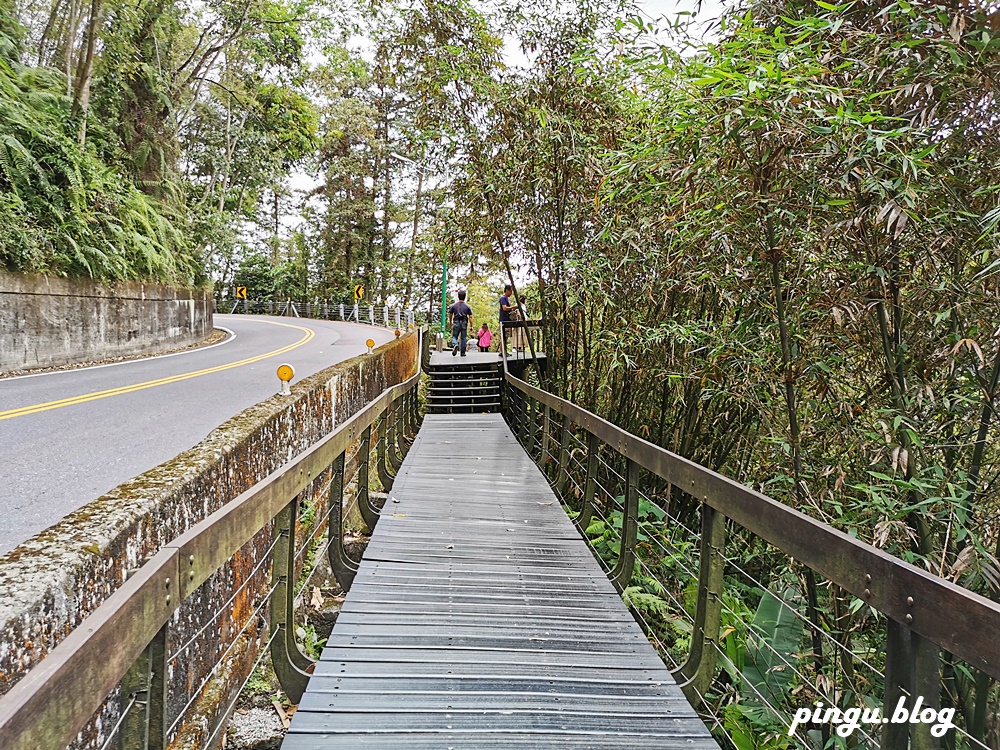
(925, 613)
(55, 700)
(368, 313)
(883, 581)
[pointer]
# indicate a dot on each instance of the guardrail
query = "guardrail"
(123, 642)
(925, 615)
(388, 316)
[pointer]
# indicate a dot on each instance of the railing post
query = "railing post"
(698, 670)
(926, 683)
(511, 414)
(562, 478)
(543, 459)
(368, 514)
(403, 426)
(912, 670)
(622, 573)
(414, 412)
(391, 436)
(287, 659)
(590, 483)
(523, 422)
(145, 726)
(530, 424)
(382, 463)
(898, 683)
(409, 418)
(343, 567)
(536, 428)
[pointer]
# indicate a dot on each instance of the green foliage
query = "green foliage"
(775, 638)
(156, 155)
(64, 212)
(312, 643)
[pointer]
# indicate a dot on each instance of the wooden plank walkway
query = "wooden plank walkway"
(480, 619)
(447, 359)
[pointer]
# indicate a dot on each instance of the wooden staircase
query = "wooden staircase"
(463, 385)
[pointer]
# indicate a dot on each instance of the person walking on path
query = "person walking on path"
(485, 337)
(460, 315)
(506, 308)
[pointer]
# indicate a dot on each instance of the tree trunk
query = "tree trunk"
(413, 239)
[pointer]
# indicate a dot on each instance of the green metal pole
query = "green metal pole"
(444, 295)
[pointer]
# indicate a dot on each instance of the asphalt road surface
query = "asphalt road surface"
(68, 437)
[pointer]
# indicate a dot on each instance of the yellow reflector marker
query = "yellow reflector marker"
(285, 373)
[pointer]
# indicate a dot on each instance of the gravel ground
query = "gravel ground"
(254, 729)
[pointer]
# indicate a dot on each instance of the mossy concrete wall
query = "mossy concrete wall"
(53, 581)
(47, 321)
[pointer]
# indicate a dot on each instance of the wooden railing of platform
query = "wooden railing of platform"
(928, 617)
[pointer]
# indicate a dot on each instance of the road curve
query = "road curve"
(70, 436)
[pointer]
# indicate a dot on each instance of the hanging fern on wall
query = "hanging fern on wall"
(62, 210)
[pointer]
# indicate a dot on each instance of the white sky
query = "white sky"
(657, 8)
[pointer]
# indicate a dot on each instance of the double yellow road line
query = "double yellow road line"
(35, 408)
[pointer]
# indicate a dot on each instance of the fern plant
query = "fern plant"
(62, 210)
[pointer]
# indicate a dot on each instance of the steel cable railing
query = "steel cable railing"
(656, 539)
(570, 444)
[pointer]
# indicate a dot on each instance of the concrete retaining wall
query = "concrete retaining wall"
(54, 580)
(47, 321)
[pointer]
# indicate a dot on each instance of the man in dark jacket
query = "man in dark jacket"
(507, 306)
(460, 315)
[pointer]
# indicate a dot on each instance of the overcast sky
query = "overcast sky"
(656, 9)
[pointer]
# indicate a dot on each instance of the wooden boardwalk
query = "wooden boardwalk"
(447, 359)
(480, 619)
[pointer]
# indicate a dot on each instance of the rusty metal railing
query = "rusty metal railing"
(930, 622)
(123, 642)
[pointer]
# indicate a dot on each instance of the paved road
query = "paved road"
(68, 437)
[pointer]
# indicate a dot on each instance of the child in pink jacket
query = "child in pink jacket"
(485, 337)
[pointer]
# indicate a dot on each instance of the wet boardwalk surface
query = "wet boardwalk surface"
(480, 619)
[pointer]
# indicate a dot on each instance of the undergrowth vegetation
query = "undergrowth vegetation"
(62, 210)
